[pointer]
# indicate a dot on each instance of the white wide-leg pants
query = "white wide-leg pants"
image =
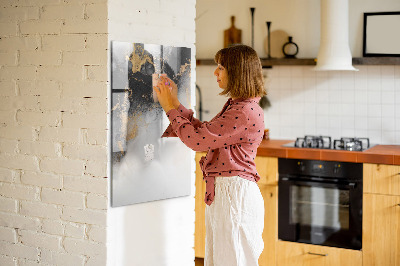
(234, 223)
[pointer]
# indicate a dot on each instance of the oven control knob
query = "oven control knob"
(302, 167)
(336, 169)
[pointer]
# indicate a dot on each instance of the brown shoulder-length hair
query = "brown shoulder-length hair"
(245, 78)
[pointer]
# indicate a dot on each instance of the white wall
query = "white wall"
(338, 104)
(299, 18)
(161, 232)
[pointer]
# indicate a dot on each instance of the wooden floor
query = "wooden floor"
(199, 262)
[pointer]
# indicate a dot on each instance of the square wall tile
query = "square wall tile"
(348, 132)
(296, 71)
(285, 83)
(310, 108)
(388, 84)
(285, 71)
(297, 83)
(361, 97)
(387, 72)
(374, 110)
(335, 122)
(388, 110)
(374, 123)
(348, 123)
(348, 96)
(374, 97)
(322, 121)
(310, 95)
(388, 97)
(335, 95)
(321, 83)
(347, 109)
(389, 137)
(388, 124)
(334, 109)
(322, 109)
(374, 84)
(375, 136)
(361, 123)
(322, 95)
(361, 110)
(309, 72)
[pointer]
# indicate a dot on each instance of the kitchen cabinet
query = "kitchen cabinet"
(298, 254)
(381, 179)
(381, 215)
(381, 230)
(270, 233)
(267, 167)
(200, 207)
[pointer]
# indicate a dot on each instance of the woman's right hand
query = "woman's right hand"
(174, 89)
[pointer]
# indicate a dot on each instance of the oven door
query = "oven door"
(315, 211)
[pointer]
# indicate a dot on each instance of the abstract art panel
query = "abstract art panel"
(144, 166)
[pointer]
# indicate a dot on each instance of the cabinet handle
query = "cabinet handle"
(318, 254)
(398, 204)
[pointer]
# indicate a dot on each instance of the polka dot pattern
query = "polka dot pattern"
(231, 139)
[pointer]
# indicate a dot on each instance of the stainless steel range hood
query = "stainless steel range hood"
(334, 52)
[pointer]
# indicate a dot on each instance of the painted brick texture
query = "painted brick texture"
(53, 132)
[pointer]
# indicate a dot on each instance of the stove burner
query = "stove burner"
(308, 141)
(351, 144)
(324, 142)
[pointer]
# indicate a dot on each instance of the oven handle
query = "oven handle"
(297, 181)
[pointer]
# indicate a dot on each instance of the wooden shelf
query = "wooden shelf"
(376, 61)
(288, 62)
(312, 61)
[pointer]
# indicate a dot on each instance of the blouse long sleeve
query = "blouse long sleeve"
(222, 131)
(186, 113)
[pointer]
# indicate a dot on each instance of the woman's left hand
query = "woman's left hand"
(163, 91)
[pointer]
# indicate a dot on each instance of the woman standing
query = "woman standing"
(235, 207)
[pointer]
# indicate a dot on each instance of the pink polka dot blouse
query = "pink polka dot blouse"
(231, 139)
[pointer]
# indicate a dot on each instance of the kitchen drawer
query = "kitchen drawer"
(298, 254)
(381, 179)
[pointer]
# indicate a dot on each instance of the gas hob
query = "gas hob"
(325, 142)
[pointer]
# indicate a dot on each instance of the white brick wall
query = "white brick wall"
(53, 106)
(53, 125)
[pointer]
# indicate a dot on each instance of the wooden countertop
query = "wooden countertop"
(379, 154)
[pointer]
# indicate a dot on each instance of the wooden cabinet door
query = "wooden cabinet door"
(381, 230)
(200, 207)
(267, 168)
(270, 233)
(381, 179)
(297, 254)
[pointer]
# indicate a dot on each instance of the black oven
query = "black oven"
(320, 202)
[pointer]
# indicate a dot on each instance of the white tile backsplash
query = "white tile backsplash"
(364, 103)
(388, 97)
